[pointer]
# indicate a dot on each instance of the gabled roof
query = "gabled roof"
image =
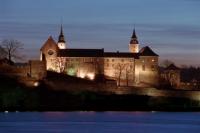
(172, 67)
(50, 42)
(147, 51)
(121, 54)
(80, 53)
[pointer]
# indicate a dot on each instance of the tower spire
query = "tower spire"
(61, 30)
(134, 39)
(134, 34)
(61, 37)
(134, 44)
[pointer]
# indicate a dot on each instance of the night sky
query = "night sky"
(170, 27)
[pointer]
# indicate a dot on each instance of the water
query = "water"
(99, 122)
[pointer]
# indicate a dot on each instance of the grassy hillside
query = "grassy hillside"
(14, 96)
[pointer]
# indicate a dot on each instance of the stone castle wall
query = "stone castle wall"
(37, 69)
(120, 69)
(148, 70)
(126, 71)
(33, 69)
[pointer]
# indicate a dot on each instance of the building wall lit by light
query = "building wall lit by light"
(128, 68)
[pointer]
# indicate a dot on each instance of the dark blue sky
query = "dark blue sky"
(170, 27)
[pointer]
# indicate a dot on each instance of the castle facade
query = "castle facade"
(134, 68)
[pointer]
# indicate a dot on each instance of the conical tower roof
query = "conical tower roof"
(61, 37)
(134, 39)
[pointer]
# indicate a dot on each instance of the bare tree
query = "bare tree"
(60, 64)
(119, 70)
(2, 53)
(129, 71)
(11, 48)
(166, 63)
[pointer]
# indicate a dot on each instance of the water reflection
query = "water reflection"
(99, 122)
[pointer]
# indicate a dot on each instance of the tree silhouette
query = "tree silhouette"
(119, 71)
(60, 64)
(11, 48)
(129, 70)
(166, 63)
(2, 53)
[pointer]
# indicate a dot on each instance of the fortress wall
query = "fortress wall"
(148, 72)
(37, 69)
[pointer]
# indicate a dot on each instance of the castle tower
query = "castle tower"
(134, 44)
(61, 39)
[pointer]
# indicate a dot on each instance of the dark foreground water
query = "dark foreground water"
(99, 122)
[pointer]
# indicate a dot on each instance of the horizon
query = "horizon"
(170, 28)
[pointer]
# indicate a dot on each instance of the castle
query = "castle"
(134, 68)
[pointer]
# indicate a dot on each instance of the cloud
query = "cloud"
(166, 40)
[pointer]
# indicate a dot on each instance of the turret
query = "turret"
(61, 39)
(134, 44)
